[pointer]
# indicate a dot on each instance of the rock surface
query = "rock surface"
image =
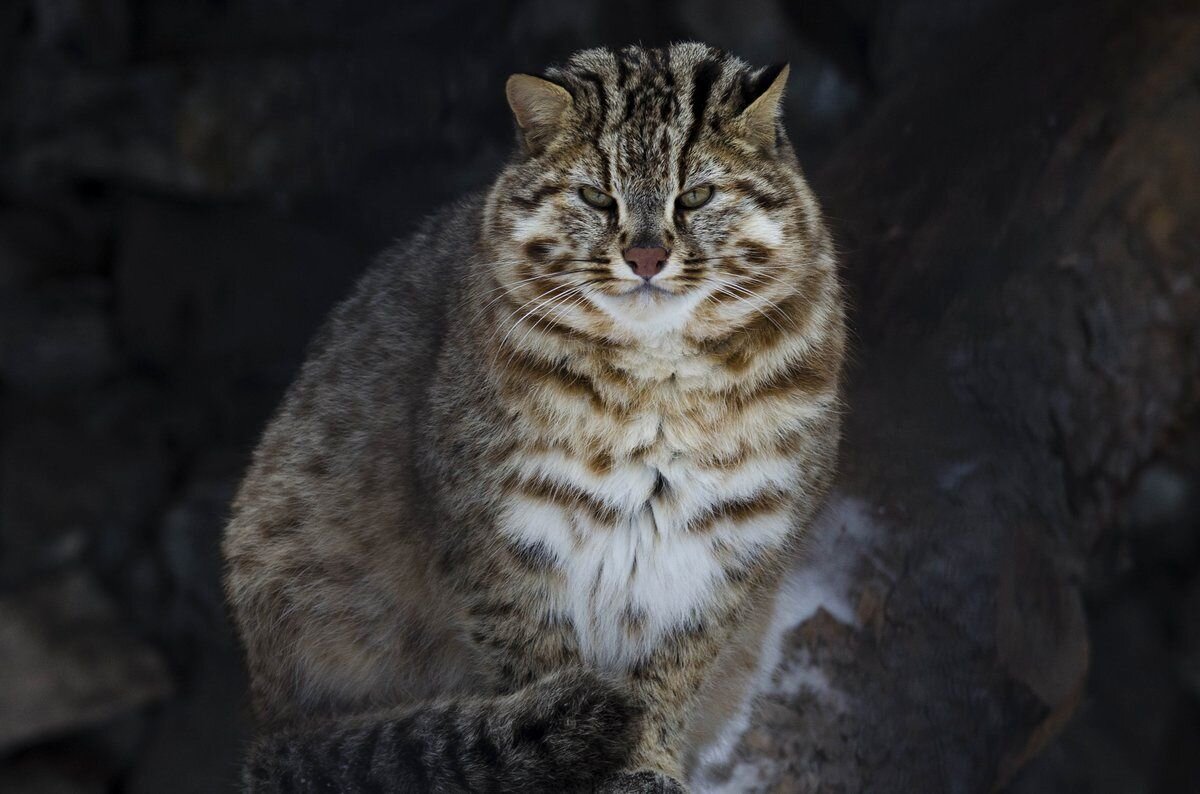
(69, 661)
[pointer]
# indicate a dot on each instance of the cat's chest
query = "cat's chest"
(643, 546)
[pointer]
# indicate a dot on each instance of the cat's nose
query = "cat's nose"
(646, 262)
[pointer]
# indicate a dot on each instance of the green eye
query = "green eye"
(596, 198)
(696, 197)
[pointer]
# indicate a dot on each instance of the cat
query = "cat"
(520, 521)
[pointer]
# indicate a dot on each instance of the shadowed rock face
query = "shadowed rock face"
(69, 661)
(186, 187)
(1021, 243)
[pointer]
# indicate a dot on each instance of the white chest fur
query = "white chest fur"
(630, 581)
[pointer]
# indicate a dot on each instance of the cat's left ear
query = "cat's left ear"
(760, 119)
(538, 106)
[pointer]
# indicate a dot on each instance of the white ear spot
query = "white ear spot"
(762, 229)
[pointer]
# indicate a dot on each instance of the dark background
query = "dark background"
(186, 187)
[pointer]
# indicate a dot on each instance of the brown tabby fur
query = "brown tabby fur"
(498, 416)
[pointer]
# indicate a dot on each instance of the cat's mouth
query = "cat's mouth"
(649, 291)
(649, 306)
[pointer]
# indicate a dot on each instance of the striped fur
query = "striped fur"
(506, 457)
(560, 734)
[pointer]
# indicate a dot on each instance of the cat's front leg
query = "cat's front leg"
(666, 684)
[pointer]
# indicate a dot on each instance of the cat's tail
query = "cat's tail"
(565, 732)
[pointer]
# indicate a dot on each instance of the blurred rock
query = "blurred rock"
(226, 292)
(52, 238)
(69, 662)
(97, 32)
(909, 33)
(79, 475)
(191, 544)
(85, 760)
(46, 775)
(263, 127)
(1083, 760)
(1164, 514)
(198, 738)
(1187, 627)
(1132, 681)
(57, 336)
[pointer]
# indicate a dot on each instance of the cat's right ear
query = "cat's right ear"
(538, 106)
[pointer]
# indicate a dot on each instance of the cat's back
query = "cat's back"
(333, 476)
(396, 316)
(369, 365)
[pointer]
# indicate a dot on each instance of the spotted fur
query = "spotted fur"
(510, 456)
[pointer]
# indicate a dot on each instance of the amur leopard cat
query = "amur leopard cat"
(519, 523)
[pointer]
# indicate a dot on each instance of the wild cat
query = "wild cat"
(519, 523)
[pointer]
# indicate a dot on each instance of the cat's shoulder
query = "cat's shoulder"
(442, 242)
(393, 318)
(407, 285)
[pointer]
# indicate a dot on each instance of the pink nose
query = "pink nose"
(646, 262)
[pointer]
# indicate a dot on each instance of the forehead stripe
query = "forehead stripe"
(703, 77)
(601, 96)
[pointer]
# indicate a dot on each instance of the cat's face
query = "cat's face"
(656, 195)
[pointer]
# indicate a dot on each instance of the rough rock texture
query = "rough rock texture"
(1021, 237)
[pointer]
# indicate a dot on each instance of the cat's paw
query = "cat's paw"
(574, 727)
(644, 782)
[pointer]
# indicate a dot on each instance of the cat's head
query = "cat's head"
(654, 193)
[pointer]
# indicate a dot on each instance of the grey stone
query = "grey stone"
(69, 662)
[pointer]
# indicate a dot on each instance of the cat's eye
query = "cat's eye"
(696, 197)
(596, 198)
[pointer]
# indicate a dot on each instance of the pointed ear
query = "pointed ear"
(760, 118)
(538, 106)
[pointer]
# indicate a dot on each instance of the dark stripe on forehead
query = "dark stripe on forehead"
(623, 58)
(597, 83)
(622, 70)
(705, 74)
(661, 60)
(670, 105)
(601, 97)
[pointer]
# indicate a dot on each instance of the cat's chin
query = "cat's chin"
(650, 308)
